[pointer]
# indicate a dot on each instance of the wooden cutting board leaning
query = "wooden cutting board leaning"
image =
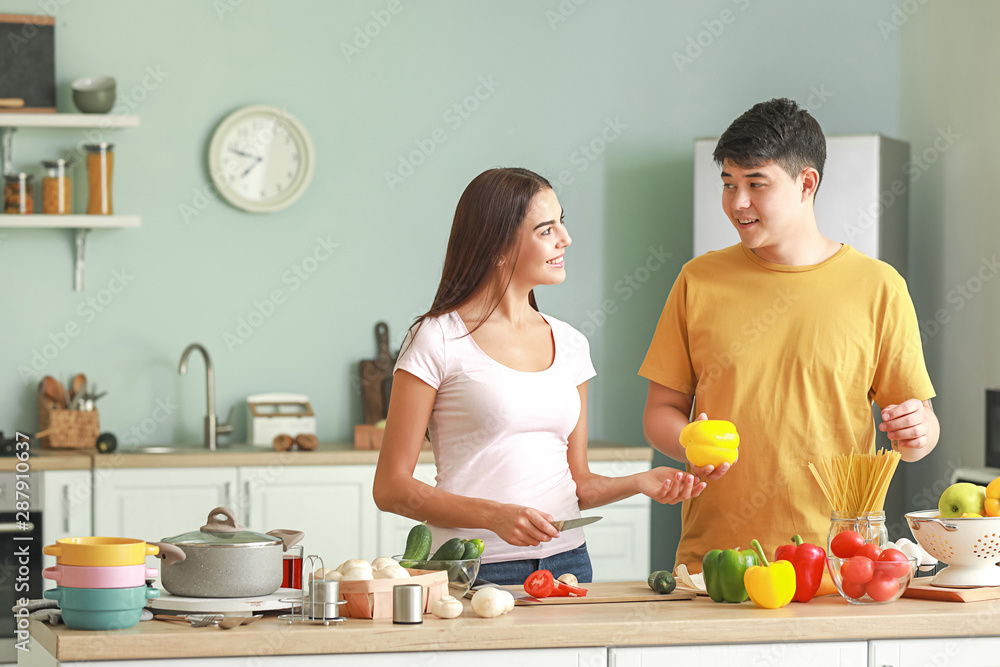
(376, 378)
(605, 591)
(925, 591)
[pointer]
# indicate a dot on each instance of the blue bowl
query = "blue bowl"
(101, 608)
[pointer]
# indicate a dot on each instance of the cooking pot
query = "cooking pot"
(223, 559)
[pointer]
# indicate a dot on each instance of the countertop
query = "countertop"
(193, 456)
(699, 621)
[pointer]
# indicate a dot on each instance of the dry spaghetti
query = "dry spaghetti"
(856, 482)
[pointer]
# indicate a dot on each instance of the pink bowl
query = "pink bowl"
(118, 576)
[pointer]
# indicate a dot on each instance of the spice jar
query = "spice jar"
(18, 194)
(100, 164)
(871, 526)
(57, 187)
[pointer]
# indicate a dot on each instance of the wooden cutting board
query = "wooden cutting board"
(376, 378)
(608, 591)
(925, 591)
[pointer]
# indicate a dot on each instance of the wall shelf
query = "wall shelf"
(82, 224)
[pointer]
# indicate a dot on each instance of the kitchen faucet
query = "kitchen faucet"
(212, 428)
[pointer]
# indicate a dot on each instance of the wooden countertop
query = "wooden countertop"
(192, 456)
(699, 621)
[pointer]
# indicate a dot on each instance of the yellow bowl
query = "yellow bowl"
(100, 551)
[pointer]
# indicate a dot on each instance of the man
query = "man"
(790, 336)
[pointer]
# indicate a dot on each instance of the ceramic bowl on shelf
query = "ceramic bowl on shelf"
(970, 547)
(461, 573)
(881, 582)
(94, 94)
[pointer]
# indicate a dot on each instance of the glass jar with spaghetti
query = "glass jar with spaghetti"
(57, 187)
(870, 525)
(18, 194)
(100, 165)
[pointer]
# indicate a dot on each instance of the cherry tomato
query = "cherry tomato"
(846, 544)
(857, 569)
(856, 591)
(882, 587)
(868, 550)
(894, 563)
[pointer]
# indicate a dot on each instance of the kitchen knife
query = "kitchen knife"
(482, 583)
(575, 523)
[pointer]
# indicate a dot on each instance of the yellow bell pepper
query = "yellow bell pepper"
(771, 585)
(710, 442)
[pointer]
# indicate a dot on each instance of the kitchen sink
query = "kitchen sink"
(189, 449)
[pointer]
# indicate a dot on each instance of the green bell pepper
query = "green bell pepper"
(723, 571)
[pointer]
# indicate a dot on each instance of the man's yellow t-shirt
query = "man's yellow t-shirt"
(794, 357)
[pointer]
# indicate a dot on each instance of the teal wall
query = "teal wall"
(563, 71)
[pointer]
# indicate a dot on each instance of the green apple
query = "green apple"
(962, 498)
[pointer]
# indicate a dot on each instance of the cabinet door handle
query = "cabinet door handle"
(67, 508)
(8, 528)
(246, 502)
(228, 494)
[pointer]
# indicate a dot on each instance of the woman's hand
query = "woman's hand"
(711, 472)
(669, 485)
(523, 526)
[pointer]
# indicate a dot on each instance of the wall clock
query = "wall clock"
(261, 158)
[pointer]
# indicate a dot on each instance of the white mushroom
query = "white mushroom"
(382, 561)
(446, 607)
(358, 574)
(509, 600)
(353, 563)
(326, 573)
(391, 572)
(489, 602)
(568, 578)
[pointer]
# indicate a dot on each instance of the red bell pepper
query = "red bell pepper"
(809, 562)
(542, 584)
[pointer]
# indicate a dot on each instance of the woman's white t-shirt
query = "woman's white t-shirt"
(500, 433)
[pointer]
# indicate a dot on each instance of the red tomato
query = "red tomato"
(869, 550)
(882, 587)
(856, 591)
(894, 563)
(846, 544)
(857, 569)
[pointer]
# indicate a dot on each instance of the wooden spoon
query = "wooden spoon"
(54, 392)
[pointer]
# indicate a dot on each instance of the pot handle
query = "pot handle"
(169, 553)
(289, 538)
(228, 525)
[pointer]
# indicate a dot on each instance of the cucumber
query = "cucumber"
(662, 581)
(418, 545)
(473, 549)
(450, 550)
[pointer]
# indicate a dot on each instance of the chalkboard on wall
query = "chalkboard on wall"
(28, 61)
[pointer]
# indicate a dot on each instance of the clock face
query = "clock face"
(261, 159)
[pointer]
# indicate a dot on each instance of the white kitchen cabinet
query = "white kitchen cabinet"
(618, 544)
(965, 651)
(814, 654)
(862, 199)
(332, 505)
(67, 497)
(153, 503)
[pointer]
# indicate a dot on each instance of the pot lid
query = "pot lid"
(221, 529)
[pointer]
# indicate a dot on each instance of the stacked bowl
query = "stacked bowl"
(101, 581)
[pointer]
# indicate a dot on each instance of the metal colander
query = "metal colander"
(970, 547)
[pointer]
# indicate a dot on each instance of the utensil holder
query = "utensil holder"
(67, 429)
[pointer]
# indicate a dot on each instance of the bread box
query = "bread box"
(270, 415)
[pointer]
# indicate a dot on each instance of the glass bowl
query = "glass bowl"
(461, 573)
(889, 580)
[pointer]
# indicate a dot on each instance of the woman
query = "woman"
(502, 391)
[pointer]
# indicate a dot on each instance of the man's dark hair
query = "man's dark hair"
(777, 130)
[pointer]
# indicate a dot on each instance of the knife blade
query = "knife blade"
(566, 524)
(482, 583)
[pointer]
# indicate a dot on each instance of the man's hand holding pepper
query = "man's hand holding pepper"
(711, 472)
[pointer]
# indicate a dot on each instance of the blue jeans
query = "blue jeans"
(514, 572)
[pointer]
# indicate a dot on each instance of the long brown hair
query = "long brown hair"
(486, 229)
